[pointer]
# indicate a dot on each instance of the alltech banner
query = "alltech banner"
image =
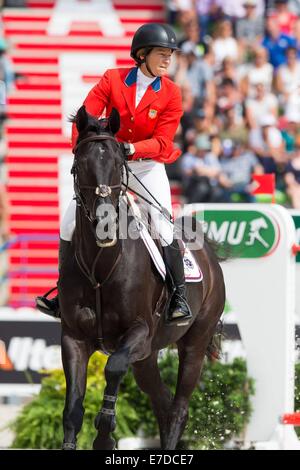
(29, 345)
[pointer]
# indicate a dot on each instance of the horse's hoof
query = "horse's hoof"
(101, 443)
(68, 446)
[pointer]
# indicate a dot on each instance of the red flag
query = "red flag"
(263, 184)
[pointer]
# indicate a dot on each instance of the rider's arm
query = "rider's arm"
(95, 101)
(160, 146)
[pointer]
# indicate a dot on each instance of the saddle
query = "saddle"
(192, 270)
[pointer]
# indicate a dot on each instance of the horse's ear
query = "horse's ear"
(114, 121)
(81, 119)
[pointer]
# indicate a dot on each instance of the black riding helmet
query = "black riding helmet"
(152, 35)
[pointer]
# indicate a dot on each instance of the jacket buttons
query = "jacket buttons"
(132, 119)
(130, 130)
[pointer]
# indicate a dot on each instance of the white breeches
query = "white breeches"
(153, 176)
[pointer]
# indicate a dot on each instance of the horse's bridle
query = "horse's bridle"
(102, 190)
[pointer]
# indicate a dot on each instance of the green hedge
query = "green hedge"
(219, 408)
(297, 393)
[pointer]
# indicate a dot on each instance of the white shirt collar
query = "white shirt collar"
(143, 79)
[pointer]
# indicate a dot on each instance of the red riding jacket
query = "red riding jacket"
(152, 125)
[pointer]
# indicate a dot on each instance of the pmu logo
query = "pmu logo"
(25, 353)
(249, 234)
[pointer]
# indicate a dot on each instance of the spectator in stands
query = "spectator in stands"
(262, 104)
(294, 7)
(208, 13)
(283, 17)
(203, 125)
(296, 36)
(229, 98)
(201, 172)
(233, 127)
(259, 71)
(250, 28)
(235, 9)
(228, 70)
(276, 43)
(187, 118)
(288, 76)
(7, 74)
(197, 72)
(238, 165)
(292, 179)
(224, 44)
(7, 78)
(291, 131)
(191, 33)
(185, 15)
(267, 143)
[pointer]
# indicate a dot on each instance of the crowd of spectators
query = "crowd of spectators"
(239, 73)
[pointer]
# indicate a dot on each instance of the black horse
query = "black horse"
(112, 299)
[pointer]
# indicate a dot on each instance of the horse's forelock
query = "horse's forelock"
(92, 124)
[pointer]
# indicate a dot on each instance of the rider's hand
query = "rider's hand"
(127, 149)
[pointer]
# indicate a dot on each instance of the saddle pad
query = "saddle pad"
(192, 270)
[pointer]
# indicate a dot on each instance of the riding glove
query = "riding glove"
(127, 149)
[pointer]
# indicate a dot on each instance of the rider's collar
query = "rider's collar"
(131, 79)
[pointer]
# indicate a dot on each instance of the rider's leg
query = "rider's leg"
(178, 308)
(51, 306)
(153, 176)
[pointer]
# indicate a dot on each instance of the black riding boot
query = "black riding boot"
(179, 311)
(51, 306)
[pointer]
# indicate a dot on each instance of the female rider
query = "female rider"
(150, 108)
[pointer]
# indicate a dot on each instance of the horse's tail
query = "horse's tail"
(189, 226)
(222, 251)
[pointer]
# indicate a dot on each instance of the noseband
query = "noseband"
(102, 190)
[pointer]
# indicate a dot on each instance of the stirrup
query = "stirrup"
(49, 307)
(180, 316)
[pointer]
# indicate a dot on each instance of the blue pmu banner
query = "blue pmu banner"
(29, 343)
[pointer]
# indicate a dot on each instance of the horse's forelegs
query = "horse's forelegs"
(105, 422)
(148, 378)
(75, 356)
(116, 367)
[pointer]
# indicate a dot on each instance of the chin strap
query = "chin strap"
(144, 61)
(148, 68)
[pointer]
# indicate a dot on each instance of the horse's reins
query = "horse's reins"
(159, 207)
(104, 190)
